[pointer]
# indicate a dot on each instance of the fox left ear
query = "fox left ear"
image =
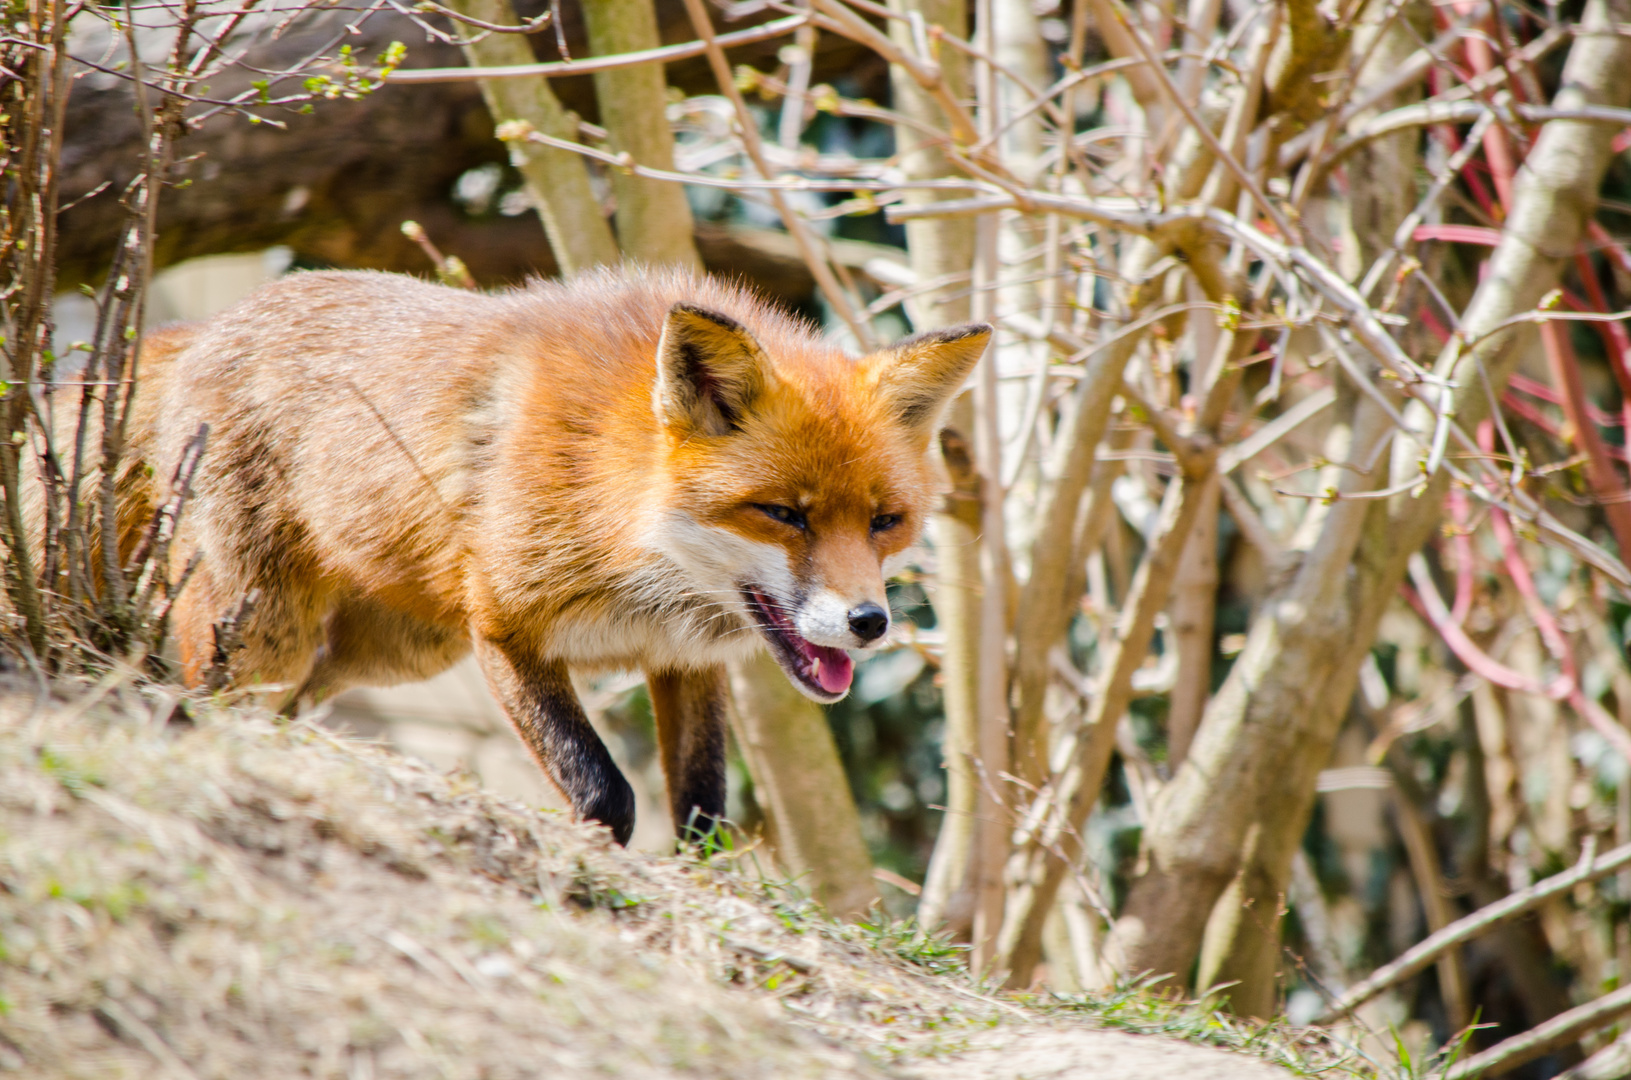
(709, 371)
(918, 375)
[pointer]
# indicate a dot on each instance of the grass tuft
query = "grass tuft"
(1135, 1006)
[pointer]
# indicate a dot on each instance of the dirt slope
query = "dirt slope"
(224, 896)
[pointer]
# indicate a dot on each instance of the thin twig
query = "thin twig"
(666, 54)
(1416, 959)
(1560, 1030)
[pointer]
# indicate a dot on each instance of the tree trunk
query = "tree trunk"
(994, 814)
(1194, 602)
(653, 218)
(1242, 942)
(557, 180)
(939, 249)
(800, 782)
(1269, 730)
(1302, 631)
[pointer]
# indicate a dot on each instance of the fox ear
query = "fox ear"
(709, 371)
(918, 375)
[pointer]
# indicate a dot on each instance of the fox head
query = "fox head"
(797, 474)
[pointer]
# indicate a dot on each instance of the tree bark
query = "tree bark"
(1302, 631)
(993, 757)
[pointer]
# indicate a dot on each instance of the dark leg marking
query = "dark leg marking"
(690, 711)
(538, 697)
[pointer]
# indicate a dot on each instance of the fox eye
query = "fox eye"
(784, 514)
(885, 522)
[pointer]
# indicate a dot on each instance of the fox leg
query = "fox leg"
(369, 644)
(192, 619)
(537, 695)
(239, 638)
(689, 707)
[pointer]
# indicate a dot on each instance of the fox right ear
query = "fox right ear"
(920, 374)
(709, 371)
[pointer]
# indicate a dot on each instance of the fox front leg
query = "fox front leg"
(689, 707)
(538, 697)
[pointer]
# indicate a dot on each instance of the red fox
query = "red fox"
(629, 469)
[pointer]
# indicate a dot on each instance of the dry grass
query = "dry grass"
(215, 894)
(254, 899)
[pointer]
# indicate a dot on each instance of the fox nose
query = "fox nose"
(869, 621)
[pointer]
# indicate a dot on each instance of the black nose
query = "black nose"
(869, 621)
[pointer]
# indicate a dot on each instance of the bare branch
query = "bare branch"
(1537, 1042)
(666, 54)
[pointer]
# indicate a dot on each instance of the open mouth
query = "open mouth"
(822, 672)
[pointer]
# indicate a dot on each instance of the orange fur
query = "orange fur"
(566, 475)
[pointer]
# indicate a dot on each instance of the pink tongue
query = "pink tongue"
(836, 669)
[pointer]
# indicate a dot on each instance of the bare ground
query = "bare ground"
(206, 893)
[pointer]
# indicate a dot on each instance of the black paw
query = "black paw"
(612, 804)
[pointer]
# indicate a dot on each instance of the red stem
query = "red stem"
(1615, 334)
(1497, 144)
(1530, 412)
(1550, 633)
(1600, 472)
(1447, 134)
(1525, 385)
(1430, 606)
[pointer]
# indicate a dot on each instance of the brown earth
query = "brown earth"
(203, 892)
